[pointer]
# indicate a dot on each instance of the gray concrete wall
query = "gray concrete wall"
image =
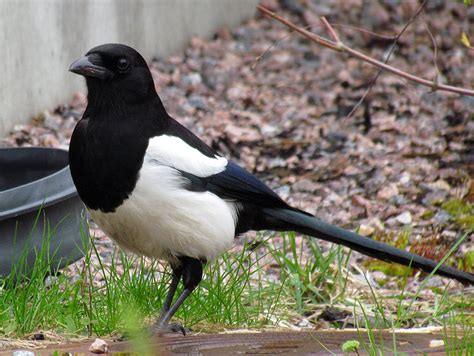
(40, 38)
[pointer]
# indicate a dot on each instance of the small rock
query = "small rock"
(305, 185)
(435, 197)
(198, 102)
(440, 184)
(404, 218)
(270, 130)
(376, 223)
(192, 79)
(276, 162)
(405, 178)
(99, 346)
(51, 121)
(449, 234)
(304, 324)
(375, 183)
(387, 192)
(379, 276)
(434, 281)
(23, 353)
(436, 343)
(442, 217)
(283, 191)
(238, 92)
(333, 199)
(365, 230)
(398, 200)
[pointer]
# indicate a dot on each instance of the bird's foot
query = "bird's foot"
(161, 329)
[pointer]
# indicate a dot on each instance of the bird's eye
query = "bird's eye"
(123, 64)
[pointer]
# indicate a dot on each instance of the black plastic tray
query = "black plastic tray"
(37, 195)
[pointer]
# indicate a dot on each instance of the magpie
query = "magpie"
(159, 191)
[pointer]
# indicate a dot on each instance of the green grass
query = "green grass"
(461, 211)
(238, 291)
(233, 293)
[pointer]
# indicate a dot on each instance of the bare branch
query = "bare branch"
(312, 27)
(363, 30)
(341, 47)
(333, 33)
(435, 51)
(312, 36)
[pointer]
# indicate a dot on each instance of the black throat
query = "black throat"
(108, 146)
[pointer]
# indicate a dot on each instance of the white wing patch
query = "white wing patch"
(174, 152)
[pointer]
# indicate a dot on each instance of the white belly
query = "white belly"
(161, 219)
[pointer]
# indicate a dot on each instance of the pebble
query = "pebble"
(198, 102)
(305, 185)
(379, 276)
(283, 191)
(23, 353)
(365, 230)
(398, 200)
(304, 323)
(442, 217)
(99, 346)
(387, 192)
(52, 122)
(50, 280)
(440, 184)
(404, 218)
(192, 79)
(436, 343)
(405, 178)
(435, 197)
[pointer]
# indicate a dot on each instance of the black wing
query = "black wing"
(235, 183)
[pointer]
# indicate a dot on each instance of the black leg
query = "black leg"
(191, 270)
(177, 274)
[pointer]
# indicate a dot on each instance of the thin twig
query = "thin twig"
(333, 33)
(312, 27)
(312, 36)
(363, 30)
(435, 51)
(390, 52)
(356, 54)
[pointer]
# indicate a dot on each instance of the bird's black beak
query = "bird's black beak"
(85, 66)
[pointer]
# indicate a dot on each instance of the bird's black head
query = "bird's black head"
(115, 74)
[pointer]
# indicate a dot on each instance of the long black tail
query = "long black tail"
(309, 225)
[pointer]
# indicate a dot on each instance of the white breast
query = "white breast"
(162, 219)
